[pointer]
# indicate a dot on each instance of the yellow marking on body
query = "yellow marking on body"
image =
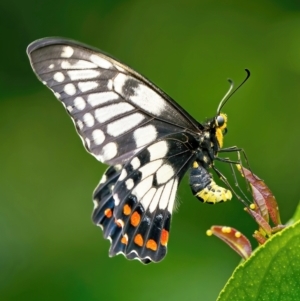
(214, 194)
(253, 206)
(219, 136)
(195, 164)
(138, 240)
(220, 129)
(126, 209)
(164, 237)
(108, 213)
(135, 219)
(151, 244)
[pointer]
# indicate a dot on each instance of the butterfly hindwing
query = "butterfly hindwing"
(103, 212)
(115, 110)
(142, 198)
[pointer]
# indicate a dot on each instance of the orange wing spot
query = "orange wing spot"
(139, 240)
(108, 213)
(151, 244)
(126, 209)
(135, 219)
(164, 237)
(124, 240)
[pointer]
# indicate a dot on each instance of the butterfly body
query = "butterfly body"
(148, 140)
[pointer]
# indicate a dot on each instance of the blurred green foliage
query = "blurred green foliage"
(49, 249)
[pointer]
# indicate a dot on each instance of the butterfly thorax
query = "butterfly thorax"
(211, 140)
(201, 181)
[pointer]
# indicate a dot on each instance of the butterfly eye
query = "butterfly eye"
(220, 120)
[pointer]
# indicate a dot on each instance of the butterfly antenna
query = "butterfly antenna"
(229, 94)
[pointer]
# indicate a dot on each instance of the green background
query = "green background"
(49, 248)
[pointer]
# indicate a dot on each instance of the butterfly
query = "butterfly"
(146, 138)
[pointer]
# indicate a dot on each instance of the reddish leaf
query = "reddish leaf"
(235, 239)
(265, 192)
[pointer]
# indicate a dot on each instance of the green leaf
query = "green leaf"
(296, 216)
(271, 273)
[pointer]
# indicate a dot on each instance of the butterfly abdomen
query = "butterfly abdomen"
(205, 188)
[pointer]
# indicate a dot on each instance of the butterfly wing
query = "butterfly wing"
(115, 110)
(125, 121)
(134, 204)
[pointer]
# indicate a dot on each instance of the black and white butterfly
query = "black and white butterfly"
(148, 140)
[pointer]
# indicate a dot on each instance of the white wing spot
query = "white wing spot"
(97, 99)
(67, 52)
(173, 195)
(119, 82)
(69, 108)
(109, 151)
(87, 86)
(123, 175)
(101, 62)
(109, 84)
(95, 204)
(140, 190)
(103, 179)
(70, 89)
(79, 103)
(118, 167)
(129, 184)
(135, 163)
(156, 199)
(148, 198)
(143, 96)
(149, 100)
(79, 124)
(83, 74)
(59, 77)
(150, 168)
(145, 135)
(164, 174)
(117, 200)
(80, 64)
(124, 124)
(57, 95)
(158, 150)
(51, 66)
(98, 136)
(88, 142)
(120, 68)
(108, 112)
(88, 119)
(165, 197)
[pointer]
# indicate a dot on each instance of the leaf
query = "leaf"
(296, 216)
(271, 273)
(262, 192)
(233, 238)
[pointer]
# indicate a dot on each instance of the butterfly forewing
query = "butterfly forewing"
(125, 121)
(115, 110)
